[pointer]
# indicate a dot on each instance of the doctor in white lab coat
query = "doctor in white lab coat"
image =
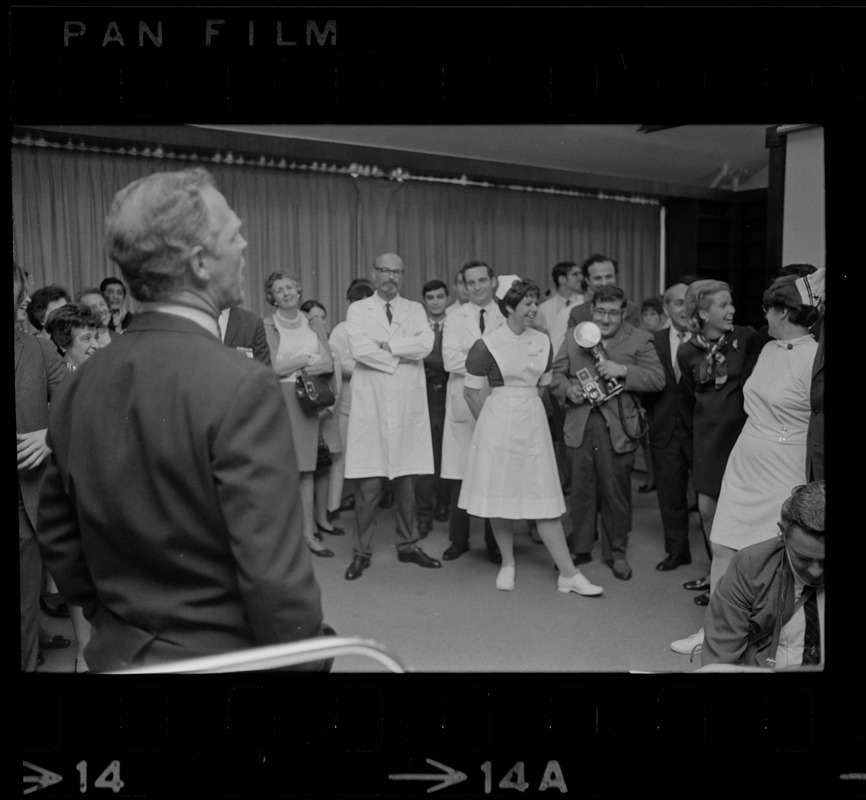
(389, 427)
(463, 327)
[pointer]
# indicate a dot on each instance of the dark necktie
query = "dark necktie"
(388, 312)
(677, 371)
(437, 337)
(481, 320)
(812, 639)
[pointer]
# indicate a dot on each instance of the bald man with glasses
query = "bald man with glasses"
(389, 425)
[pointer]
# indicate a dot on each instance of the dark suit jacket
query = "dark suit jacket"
(718, 415)
(245, 329)
(668, 410)
(583, 313)
(752, 602)
(171, 508)
(39, 371)
(630, 346)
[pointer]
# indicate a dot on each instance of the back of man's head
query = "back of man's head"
(152, 227)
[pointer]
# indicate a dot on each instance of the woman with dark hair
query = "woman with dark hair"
(511, 473)
(73, 329)
(294, 346)
(769, 457)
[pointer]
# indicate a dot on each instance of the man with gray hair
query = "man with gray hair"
(201, 552)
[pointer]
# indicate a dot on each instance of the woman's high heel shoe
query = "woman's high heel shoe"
(324, 552)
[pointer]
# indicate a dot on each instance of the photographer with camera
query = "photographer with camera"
(597, 374)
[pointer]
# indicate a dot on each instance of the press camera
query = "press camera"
(596, 390)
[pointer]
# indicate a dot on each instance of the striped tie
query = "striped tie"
(812, 639)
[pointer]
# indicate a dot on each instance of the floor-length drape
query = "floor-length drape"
(328, 228)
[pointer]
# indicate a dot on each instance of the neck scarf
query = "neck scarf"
(713, 367)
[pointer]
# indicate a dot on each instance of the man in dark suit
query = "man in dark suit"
(598, 271)
(602, 439)
(202, 552)
(245, 331)
(670, 437)
(432, 493)
(39, 372)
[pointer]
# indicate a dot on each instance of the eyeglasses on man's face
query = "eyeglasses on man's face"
(394, 273)
(604, 313)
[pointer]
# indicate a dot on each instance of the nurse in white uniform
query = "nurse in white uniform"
(511, 473)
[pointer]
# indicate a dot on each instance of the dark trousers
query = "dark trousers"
(556, 421)
(368, 492)
(460, 521)
(672, 464)
(599, 476)
(431, 491)
(30, 584)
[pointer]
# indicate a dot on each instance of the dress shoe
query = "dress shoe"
(55, 643)
(59, 612)
(358, 565)
(690, 645)
(442, 514)
(646, 488)
(424, 529)
(324, 552)
(581, 558)
(505, 579)
(332, 515)
(417, 556)
(702, 599)
(454, 551)
(700, 585)
(494, 555)
(334, 531)
(578, 583)
(318, 536)
(672, 563)
(620, 568)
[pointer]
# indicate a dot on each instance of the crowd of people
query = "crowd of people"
(242, 438)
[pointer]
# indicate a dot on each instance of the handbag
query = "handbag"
(314, 392)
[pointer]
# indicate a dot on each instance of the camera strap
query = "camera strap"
(643, 426)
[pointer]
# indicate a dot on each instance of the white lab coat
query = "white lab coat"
(459, 333)
(389, 425)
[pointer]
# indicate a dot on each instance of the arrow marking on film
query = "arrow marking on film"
(450, 777)
(42, 780)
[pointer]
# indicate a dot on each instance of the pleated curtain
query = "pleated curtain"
(327, 229)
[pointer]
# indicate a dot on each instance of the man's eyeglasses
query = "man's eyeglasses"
(603, 313)
(395, 273)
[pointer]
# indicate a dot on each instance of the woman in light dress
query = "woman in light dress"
(295, 346)
(512, 473)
